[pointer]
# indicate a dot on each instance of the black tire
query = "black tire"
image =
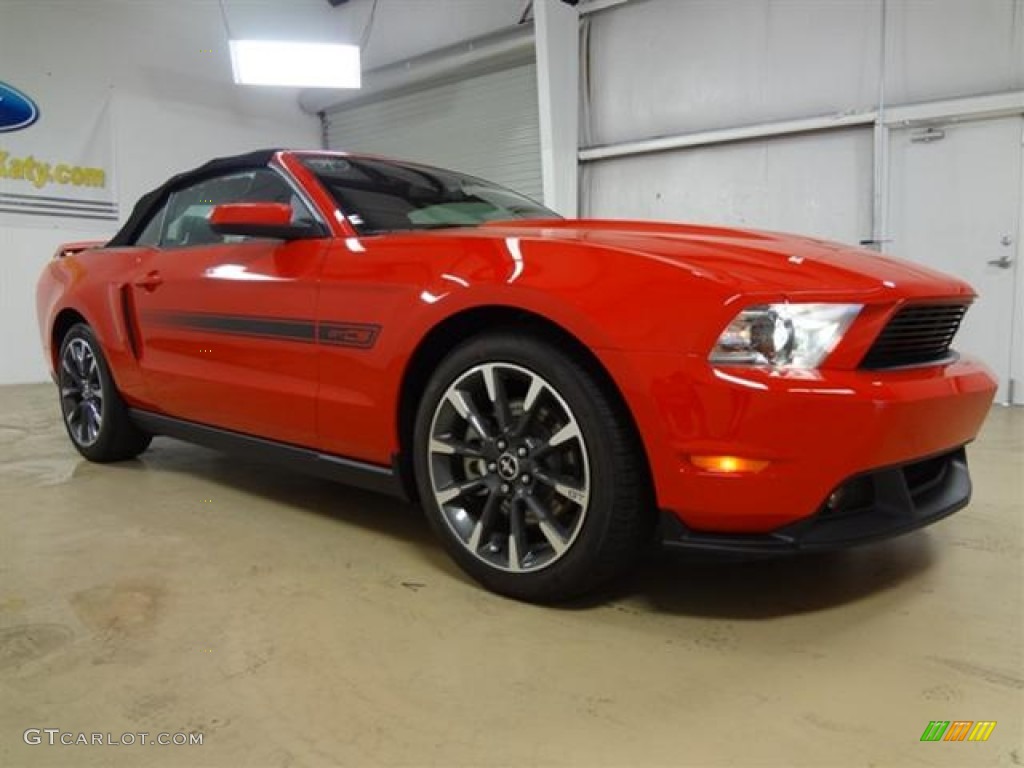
(95, 416)
(584, 535)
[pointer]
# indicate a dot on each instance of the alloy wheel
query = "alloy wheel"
(508, 465)
(81, 392)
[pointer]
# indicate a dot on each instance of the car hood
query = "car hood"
(748, 259)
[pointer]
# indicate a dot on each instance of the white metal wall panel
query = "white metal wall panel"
(677, 67)
(663, 67)
(485, 125)
(943, 49)
(813, 184)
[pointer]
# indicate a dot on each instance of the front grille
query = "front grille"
(915, 335)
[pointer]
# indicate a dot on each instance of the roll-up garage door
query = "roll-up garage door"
(485, 125)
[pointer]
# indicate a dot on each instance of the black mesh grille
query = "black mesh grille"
(915, 335)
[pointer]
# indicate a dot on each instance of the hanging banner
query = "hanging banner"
(56, 160)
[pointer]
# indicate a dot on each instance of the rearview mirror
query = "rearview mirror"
(260, 220)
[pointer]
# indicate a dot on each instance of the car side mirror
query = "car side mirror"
(260, 220)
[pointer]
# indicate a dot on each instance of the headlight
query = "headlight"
(784, 335)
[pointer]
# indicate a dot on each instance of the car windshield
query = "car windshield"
(379, 196)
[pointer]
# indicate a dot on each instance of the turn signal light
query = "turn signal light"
(728, 465)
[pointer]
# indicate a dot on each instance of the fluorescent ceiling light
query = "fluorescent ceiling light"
(308, 65)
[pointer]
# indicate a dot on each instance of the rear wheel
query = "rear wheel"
(95, 416)
(529, 471)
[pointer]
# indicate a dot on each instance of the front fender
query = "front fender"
(591, 295)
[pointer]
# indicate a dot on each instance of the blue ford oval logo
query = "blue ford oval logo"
(17, 110)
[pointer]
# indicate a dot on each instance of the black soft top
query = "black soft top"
(151, 201)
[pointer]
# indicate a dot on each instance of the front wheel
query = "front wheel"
(95, 416)
(529, 471)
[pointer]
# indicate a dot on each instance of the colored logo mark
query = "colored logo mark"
(17, 110)
(958, 730)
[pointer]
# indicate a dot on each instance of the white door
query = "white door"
(955, 204)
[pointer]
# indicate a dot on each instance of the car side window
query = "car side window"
(150, 236)
(186, 217)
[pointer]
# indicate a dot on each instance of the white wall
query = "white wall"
(813, 184)
(671, 67)
(680, 66)
(939, 49)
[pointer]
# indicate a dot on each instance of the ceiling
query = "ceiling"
(401, 28)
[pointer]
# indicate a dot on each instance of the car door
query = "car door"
(226, 324)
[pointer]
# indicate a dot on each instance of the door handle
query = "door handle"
(1003, 262)
(151, 281)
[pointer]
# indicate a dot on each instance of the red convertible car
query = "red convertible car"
(543, 387)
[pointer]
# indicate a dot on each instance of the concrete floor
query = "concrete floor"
(295, 622)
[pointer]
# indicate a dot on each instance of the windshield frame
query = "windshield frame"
(353, 219)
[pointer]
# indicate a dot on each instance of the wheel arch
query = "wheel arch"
(62, 323)
(476, 321)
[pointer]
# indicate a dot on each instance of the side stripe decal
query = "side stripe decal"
(356, 335)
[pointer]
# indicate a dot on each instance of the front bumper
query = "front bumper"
(815, 429)
(872, 506)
